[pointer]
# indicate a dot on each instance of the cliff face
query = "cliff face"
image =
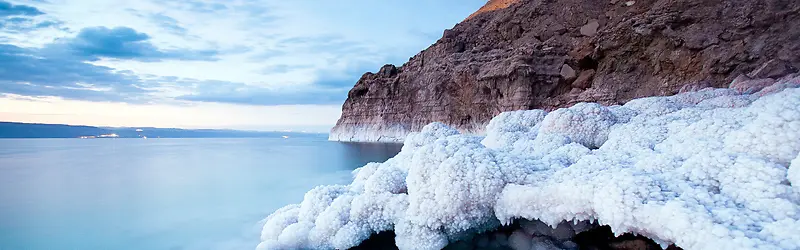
(546, 54)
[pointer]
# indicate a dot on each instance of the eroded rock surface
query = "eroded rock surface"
(546, 54)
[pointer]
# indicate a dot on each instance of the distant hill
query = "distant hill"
(35, 130)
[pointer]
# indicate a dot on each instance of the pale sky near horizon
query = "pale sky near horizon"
(240, 64)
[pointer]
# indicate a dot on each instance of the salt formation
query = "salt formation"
(712, 169)
(379, 133)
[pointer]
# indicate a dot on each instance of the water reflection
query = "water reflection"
(163, 193)
(363, 153)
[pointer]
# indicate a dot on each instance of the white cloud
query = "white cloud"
(316, 118)
(262, 43)
(376, 31)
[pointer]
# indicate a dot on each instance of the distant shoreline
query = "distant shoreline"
(17, 130)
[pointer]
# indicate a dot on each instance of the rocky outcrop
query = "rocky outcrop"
(493, 5)
(547, 54)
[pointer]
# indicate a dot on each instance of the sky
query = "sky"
(237, 64)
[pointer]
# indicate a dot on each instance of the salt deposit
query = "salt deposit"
(712, 169)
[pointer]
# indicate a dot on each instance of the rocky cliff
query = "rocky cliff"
(547, 54)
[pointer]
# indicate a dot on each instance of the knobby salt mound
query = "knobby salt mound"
(712, 169)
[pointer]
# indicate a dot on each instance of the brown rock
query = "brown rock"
(633, 244)
(567, 72)
(791, 81)
(584, 80)
(745, 85)
(493, 5)
(772, 69)
(590, 29)
(388, 70)
(510, 55)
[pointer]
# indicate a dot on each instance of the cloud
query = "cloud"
(24, 24)
(169, 24)
(239, 93)
(43, 72)
(323, 44)
(162, 20)
(196, 6)
(94, 43)
(19, 18)
(265, 97)
(285, 68)
(266, 54)
(212, 51)
(27, 72)
(64, 68)
(326, 88)
(16, 20)
(9, 9)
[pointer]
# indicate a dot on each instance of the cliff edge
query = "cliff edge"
(547, 54)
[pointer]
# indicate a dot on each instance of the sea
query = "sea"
(155, 194)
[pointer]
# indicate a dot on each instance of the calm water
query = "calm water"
(161, 193)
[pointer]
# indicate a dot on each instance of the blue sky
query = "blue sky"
(243, 64)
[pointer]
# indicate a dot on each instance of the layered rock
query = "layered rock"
(546, 54)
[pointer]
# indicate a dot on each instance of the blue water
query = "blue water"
(161, 193)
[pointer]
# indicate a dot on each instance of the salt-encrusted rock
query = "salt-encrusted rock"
(584, 123)
(507, 128)
(793, 174)
(746, 85)
(790, 81)
(694, 87)
(687, 169)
